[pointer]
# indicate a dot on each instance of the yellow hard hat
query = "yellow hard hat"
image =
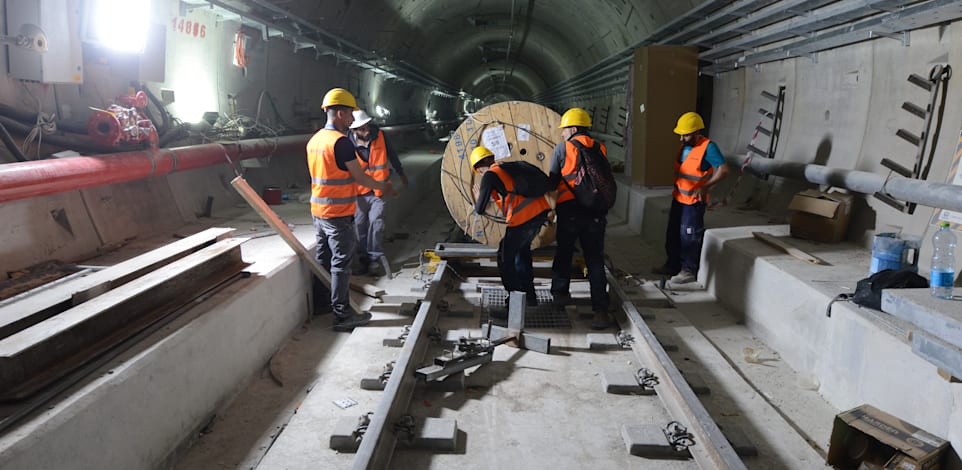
(575, 117)
(339, 97)
(479, 153)
(688, 123)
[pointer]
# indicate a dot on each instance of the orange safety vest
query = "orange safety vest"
(689, 176)
(376, 165)
(333, 190)
(570, 169)
(517, 209)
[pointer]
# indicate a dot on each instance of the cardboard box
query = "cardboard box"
(865, 437)
(820, 216)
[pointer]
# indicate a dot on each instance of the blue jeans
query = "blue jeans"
(370, 227)
(683, 238)
(335, 249)
(576, 224)
(514, 255)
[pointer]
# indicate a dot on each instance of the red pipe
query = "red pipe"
(24, 180)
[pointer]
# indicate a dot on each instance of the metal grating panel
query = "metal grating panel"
(542, 316)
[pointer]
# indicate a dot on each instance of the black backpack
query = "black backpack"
(594, 185)
(868, 291)
(529, 180)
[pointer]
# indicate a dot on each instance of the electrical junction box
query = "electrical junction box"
(60, 22)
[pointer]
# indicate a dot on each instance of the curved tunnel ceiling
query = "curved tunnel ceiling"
(465, 43)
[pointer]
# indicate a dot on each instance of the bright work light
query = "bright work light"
(118, 24)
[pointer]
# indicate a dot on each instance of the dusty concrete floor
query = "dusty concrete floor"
(524, 409)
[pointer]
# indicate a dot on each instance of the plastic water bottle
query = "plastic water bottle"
(943, 262)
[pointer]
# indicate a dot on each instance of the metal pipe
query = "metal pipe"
(44, 177)
(943, 196)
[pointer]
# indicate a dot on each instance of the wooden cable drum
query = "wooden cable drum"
(513, 130)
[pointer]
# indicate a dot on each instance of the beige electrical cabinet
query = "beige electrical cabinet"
(664, 86)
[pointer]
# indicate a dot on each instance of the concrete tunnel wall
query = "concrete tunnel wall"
(200, 72)
(842, 110)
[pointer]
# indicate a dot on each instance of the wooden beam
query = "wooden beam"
(787, 248)
(367, 289)
(259, 206)
(29, 309)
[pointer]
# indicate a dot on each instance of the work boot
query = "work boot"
(372, 269)
(559, 300)
(601, 321)
(664, 270)
(684, 277)
(322, 308)
(531, 299)
(351, 321)
(364, 268)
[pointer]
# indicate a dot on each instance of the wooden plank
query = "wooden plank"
(36, 356)
(262, 209)
(367, 289)
(27, 310)
(781, 245)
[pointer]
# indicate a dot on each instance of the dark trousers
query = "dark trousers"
(576, 224)
(514, 255)
(683, 238)
(336, 241)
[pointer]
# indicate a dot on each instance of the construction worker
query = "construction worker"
(335, 174)
(524, 215)
(698, 167)
(576, 222)
(373, 153)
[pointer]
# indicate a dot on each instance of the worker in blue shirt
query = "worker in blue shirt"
(699, 166)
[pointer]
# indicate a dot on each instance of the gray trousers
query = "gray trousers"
(370, 227)
(335, 249)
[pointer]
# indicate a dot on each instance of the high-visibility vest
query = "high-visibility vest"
(689, 176)
(517, 209)
(569, 172)
(376, 165)
(333, 190)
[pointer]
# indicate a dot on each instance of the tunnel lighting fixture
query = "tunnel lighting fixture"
(382, 112)
(120, 25)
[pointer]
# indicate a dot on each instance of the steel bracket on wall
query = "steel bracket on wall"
(937, 85)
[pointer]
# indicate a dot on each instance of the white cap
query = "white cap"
(360, 118)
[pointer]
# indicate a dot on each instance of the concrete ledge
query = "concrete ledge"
(149, 400)
(858, 355)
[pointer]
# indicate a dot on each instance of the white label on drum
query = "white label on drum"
(494, 139)
(524, 132)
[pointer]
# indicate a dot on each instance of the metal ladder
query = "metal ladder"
(938, 75)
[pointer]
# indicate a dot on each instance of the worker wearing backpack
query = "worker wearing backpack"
(699, 165)
(579, 219)
(524, 214)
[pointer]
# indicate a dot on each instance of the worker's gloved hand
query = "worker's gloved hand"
(389, 190)
(404, 182)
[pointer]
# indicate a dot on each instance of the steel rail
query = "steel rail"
(711, 449)
(377, 445)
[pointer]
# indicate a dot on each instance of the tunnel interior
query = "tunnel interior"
(127, 124)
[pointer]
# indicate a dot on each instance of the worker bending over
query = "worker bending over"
(524, 215)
